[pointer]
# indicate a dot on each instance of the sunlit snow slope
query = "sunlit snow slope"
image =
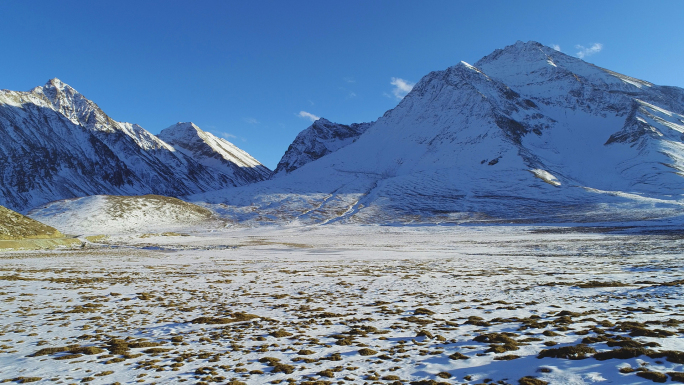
(57, 144)
(526, 134)
(107, 214)
(215, 153)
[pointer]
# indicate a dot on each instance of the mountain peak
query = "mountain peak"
(185, 126)
(61, 94)
(59, 85)
(522, 64)
(529, 43)
(320, 121)
(520, 51)
(183, 132)
(214, 152)
(55, 82)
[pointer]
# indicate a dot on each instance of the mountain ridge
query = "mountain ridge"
(526, 135)
(59, 144)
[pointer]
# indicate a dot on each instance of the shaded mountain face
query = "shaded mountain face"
(57, 144)
(318, 140)
(527, 134)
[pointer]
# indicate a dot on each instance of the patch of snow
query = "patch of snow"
(546, 177)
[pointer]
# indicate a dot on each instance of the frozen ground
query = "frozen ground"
(348, 304)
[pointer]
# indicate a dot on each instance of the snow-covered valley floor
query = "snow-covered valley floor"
(348, 304)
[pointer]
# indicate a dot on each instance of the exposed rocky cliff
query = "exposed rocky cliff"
(318, 140)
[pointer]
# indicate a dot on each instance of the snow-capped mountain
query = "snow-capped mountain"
(57, 144)
(526, 134)
(318, 140)
(216, 153)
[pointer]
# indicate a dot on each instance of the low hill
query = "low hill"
(14, 226)
(18, 232)
(110, 214)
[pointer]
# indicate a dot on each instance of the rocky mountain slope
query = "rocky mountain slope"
(58, 144)
(527, 134)
(318, 140)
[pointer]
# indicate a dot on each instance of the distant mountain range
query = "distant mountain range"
(525, 135)
(57, 144)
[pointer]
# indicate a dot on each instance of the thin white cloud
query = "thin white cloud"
(349, 93)
(227, 135)
(584, 51)
(401, 87)
(349, 79)
(556, 47)
(250, 120)
(308, 115)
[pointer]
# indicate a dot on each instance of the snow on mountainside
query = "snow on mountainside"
(107, 214)
(527, 134)
(214, 152)
(57, 144)
(318, 140)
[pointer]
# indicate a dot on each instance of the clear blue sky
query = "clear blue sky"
(245, 70)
